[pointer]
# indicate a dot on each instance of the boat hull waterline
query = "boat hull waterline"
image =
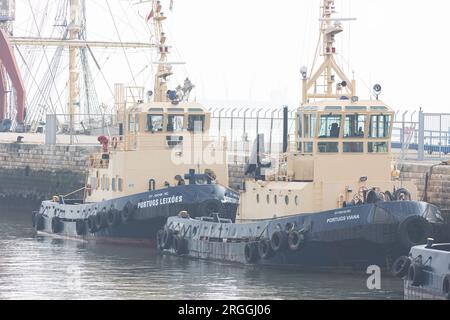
(351, 238)
(133, 219)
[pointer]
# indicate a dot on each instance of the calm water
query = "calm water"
(41, 267)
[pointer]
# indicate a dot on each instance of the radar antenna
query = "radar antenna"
(331, 87)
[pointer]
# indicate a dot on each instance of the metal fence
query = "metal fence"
(414, 139)
(241, 126)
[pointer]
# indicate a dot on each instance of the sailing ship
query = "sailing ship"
(145, 174)
(334, 199)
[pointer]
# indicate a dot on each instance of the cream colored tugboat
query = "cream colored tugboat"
(162, 163)
(333, 200)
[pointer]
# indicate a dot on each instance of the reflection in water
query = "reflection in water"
(42, 267)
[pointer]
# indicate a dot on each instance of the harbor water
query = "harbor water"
(43, 267)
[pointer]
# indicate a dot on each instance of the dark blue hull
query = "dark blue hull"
(344, 239)
(133, 219)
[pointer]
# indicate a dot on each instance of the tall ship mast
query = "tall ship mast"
(331, 200)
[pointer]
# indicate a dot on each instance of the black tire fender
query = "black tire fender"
(167, 239)
(446, 287)
(112, 218)
(40, 222)
(295, 240)
(401, 266)
(81, 227)
(251, 253)
(416, 274)
(56, 225)
(414, 231)
(92, 226)
(159, 238)
(127, 213)
(180, 245)
(402, 195)
(265, 249)
(208, 207)
(100, 220)
(279, 241)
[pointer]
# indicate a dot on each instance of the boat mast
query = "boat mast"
(164, 68)
(328, 70)
(74, 30)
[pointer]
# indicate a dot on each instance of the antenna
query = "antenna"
(329, 70)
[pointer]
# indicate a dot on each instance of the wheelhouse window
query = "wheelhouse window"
(328, 147)
(380, 126)
(196, 122)
(330, 126)
(378, 147)
(136, 124)
(353, 147)
(155, 123)
(175, 123)
(309, 125)
(355, 126)
(131, 122)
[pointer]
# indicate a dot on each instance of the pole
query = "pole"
(421, 148)
(73, 67)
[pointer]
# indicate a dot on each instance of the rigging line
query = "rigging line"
(120, 40)
(45, 53)
(357, 74)
(34, 79)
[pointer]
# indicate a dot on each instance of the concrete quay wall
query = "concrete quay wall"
(30, 173)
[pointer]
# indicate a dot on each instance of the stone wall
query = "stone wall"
(30, 173)
(438, 190)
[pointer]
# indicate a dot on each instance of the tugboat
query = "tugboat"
(426, 272)
(138, 180)
(334, 200)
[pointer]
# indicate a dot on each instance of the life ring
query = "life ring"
(92, 224)
(295, 240)
(251, 253)
(166, 240)
(446, 287)
(81, 227)
(265, 249)
(416, 274)
(179, 245)
(401, 267)
(56, 225)
(414, 231)
(114, 142)
(279, 242)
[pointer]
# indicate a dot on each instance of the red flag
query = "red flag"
(150, 16)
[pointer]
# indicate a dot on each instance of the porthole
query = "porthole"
(257, 198)
(275, 199)
(296, 200)
(286, 200)
(268, 199)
